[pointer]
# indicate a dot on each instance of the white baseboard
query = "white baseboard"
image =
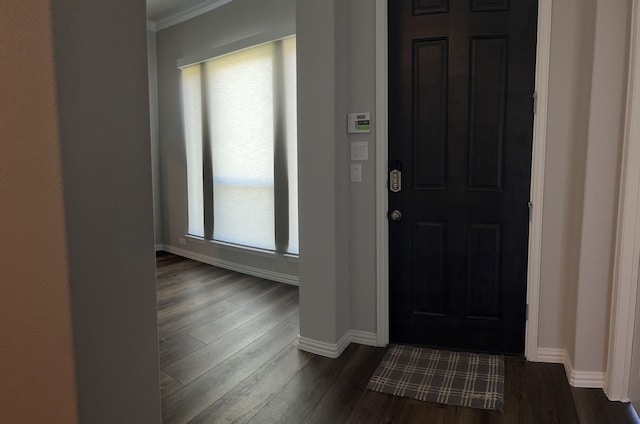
(551, 355)
(363, 337)
(576, 378)
(335, 350)
(233, 266)
(159, 247)
(322, 348)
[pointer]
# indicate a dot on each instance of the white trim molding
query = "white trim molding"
(293, 280)
(334, 350)
(552, 355)
(382, 195)
(627, 254)
(190, 13)
(537, 175)
(363, 337)
(576, 378)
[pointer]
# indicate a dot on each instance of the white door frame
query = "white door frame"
(537, 175)
(627, 255)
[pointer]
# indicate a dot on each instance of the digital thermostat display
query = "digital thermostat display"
(359, 122)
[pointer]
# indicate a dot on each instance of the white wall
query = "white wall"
(103, 104)
(232, 22)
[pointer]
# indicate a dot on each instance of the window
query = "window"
(241, 145)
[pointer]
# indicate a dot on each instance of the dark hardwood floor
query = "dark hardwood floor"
(228, 354)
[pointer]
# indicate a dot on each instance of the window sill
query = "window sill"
(292, 258)
(243, 249)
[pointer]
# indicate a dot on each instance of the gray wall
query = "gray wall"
(103, 98)
(336, 53)
(362, 196)
(232, 22)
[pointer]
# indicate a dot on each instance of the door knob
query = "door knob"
(396, 215)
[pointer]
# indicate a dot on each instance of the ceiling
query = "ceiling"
(161, 9)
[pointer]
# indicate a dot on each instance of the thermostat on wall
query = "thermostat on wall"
(359, 122)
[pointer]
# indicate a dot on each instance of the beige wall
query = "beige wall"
(37, 383)
(601, 185)
(569, 96)
(586, 112)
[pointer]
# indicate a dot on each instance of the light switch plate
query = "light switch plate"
(356, 173)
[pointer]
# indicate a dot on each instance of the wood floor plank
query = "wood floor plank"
(415, 412)
(549, 392)
(194, 320)
(294, 402)
(168, 384)
(202, 360)
(188, 402)
(261, 288)
(518, 403)
(217, 328)
(344, 393)
(246, 399)
(175, 282)
(214, 291)
(594, 408)
(379, 407)
(176, 347)
(190, 286)
(169, 266)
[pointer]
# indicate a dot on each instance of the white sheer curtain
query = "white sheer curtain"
(240, 94)
(241, 99)
(289, 49)
(192, 108)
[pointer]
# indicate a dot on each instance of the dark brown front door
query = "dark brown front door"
(461, 84)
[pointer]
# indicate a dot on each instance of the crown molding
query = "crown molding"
(185, 15)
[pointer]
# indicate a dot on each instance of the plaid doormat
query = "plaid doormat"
(454, 378)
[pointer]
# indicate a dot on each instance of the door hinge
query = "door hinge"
(530, 205)
(535, 102)
(526, 312)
